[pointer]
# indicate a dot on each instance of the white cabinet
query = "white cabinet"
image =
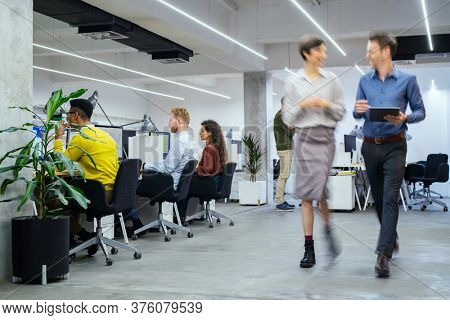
(341, 192)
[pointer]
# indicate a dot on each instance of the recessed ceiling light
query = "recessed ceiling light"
(108, 82)
(130, 70)
(187, 15)
(318, 26)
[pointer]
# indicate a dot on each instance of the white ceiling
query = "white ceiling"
(271, 27)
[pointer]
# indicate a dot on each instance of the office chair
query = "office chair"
(159, 188)
(435, 169)
(206, 189)
(122, 201)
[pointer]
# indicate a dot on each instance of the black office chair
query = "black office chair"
(435, 169)
(122, 201)
(206, 189)
(159, 188)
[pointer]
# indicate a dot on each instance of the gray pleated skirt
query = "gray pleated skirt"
(313, 156)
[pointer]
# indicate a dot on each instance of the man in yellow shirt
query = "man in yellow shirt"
(102, 149)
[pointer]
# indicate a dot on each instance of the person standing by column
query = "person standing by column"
(283, 140)
(313, 105)
(384, 147)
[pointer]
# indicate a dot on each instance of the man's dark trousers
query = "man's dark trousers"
(385, 165)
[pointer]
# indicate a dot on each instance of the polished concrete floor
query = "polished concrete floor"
(258, 258)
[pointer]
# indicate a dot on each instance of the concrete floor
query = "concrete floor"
(258, 259)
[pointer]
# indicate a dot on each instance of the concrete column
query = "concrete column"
(16, 79)
(257, 99)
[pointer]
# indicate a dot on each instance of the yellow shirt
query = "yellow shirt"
(102, 151)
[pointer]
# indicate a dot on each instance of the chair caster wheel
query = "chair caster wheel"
(211, 225)
(422, 208)
(441, 197)
(109, 262)
(134, 237)
(190, 235)
(92, 250)
(218, 221)
(231, 223)
(114, 250)
(167, 239)
(445, 209)
(173, 231)
(410, 207)
(137, 255)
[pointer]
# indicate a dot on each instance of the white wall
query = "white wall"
(124, 105)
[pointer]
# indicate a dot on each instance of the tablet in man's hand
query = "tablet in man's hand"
(378, 114)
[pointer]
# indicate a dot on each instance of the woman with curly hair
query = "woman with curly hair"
(213, 161)
(214, 156)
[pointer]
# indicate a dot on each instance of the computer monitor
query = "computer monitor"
(349, 143)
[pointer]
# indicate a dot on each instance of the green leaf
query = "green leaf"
(11, 199)
(31, 185)
(78, 197)
(48, 166)
(79, 169)
(36, 156)
(73, 95)
(7, 182)
(67, 162)
(87, 154)
(6, 169)
(53, 104)
(60, 196)
(57, 163)
(14, 129)
(12, 151)
(85, 136)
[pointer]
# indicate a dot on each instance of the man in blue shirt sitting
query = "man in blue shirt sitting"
(384, 147)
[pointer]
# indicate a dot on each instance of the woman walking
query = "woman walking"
(313, 105)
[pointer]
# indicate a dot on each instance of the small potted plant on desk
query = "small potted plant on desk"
(252, 192)
(40, 243)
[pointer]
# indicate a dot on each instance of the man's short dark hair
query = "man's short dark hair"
(384, 40)
(83, 107)
(308, 42)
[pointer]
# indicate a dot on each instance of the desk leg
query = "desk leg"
(403, 200)
(367, 197)
(357, 199)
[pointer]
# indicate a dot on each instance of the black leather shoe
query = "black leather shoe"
(309, 258)
(333, 246)
(382, 267)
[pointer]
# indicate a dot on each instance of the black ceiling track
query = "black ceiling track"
(100, 24)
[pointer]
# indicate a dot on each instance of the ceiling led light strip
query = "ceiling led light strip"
(130, 70)
(359, 69)
(108, 82)
(318, 26)
(425, 14)
(291, 72)
(211, 28)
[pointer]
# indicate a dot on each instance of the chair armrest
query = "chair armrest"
(442, 172)
(153, 183)
(415, 171)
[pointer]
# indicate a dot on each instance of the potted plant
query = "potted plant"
(252, 192)
(41, 239)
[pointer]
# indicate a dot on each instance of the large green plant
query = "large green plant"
(45, 187)
(253, 154)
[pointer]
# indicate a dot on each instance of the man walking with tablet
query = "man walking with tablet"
(384, 147)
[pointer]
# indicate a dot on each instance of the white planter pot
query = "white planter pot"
(252, 193)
